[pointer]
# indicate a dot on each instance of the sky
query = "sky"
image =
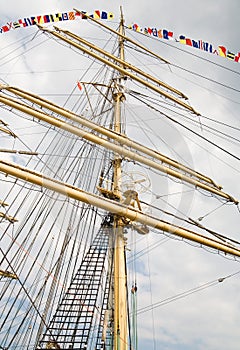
(208, 319)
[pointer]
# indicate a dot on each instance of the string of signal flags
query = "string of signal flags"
(164, 34)
(182, 39)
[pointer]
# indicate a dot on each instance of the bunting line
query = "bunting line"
(56, 17)
(182, 39)
(97, 14)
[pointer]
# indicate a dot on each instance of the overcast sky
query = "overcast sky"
(208, 319)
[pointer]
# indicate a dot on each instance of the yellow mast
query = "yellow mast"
(120, 287)
(119, 211)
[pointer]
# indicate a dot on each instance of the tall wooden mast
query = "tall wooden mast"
(112, 139)
(120, 292)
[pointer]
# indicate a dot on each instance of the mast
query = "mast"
(114, 140)
(120, 285)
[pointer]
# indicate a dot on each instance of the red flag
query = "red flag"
(79, 85)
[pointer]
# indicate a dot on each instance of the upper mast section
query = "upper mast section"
(118, 94)
(120, 291)
(119, 65)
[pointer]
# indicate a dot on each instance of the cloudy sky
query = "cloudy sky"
(207, 319)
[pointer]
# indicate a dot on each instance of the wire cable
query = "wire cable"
(185, 294)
